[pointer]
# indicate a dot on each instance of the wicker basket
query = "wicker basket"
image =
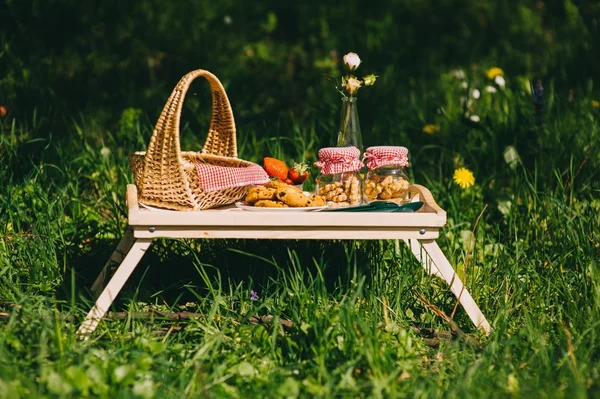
(165, 176)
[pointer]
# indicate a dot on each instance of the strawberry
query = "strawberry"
(298, 173)
(275, 168)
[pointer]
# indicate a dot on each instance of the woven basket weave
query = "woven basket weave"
(165, 176)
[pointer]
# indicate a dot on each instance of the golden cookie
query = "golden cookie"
(276, 183)
(317, 200)
(259, 193)
(292, 196)
(270, 204)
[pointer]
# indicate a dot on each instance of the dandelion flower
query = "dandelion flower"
(464, 177)
(431, 129)
(595, 103)
(493, 72)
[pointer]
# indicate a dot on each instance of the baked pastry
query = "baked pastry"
(270, 204)
(292, 196)
(259, 193)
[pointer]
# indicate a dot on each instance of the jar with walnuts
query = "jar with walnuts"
(339, 181)
(386, 178)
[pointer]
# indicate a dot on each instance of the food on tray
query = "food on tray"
(278, 169)
(298, 173)
(387, 179)
(271, 204)
(292, 196)
(317, 200)
(386, 189)
(260, 193)
(275, 168)
(342, 193)
(275, 183)
(277, 194)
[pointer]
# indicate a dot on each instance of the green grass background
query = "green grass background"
(83, 84)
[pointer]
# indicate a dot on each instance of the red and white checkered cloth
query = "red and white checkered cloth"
(386, 155)
(334, 160)
(214, 177)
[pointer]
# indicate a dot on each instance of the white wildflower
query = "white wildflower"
(459, 74)
(352, 61)
(476, 94)
(105, 152)
(474, 118)
(511, 156)
(227, 19)
(464, 85)
(490, 89)
(500, 81)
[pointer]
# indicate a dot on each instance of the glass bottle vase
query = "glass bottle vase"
(349, 130)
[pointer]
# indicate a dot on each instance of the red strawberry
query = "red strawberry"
(288, 181)
(275, 168)
(298, 173)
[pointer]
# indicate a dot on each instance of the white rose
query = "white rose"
(352, 61)
(490, 89)
(500, 81)
(352, 85)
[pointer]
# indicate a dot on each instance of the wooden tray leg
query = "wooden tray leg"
(113, 287)
(422, 257)
(115, 259)
(444, 270)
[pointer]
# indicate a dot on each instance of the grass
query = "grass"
(532, 266)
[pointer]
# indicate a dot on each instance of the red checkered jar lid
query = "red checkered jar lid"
(386, 155)
(334, 160)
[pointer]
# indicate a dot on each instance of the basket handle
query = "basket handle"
(221, 139)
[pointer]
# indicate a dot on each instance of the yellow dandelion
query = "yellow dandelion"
(464, 177)
(595, 103)
(493, 72)
(431, 129)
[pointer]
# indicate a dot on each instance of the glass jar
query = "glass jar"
(386, 177)
(340, 182)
